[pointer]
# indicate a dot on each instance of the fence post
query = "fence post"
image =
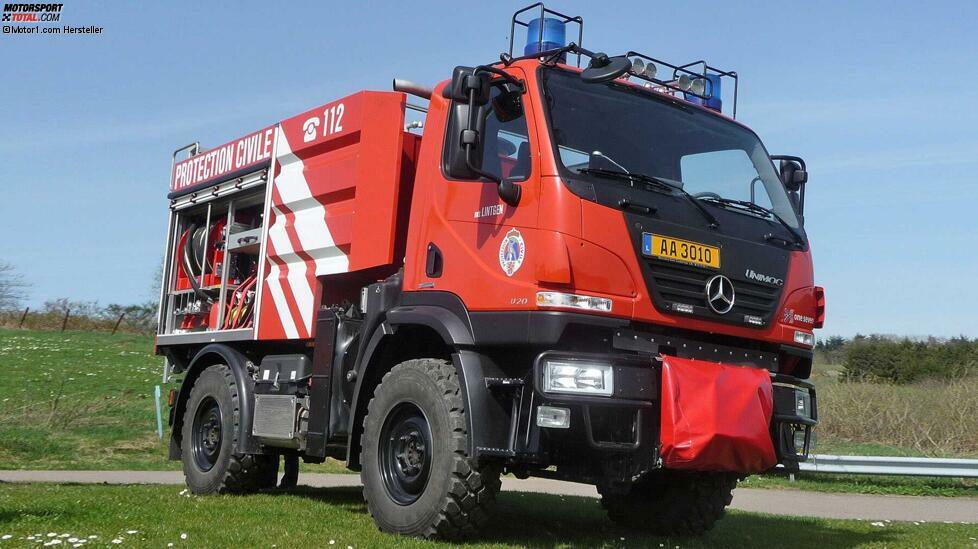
(64, 323)
(117, 322)
(23, 317)
(159, 413)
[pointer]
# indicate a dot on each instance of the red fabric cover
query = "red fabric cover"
(715, 417)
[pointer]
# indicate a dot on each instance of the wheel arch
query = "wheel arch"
(387, 347)
(216, 353)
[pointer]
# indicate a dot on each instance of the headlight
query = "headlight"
(566, 376)
(573, 301)
(805, 338)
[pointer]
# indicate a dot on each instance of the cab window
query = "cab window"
(728, 173)
(506, 153)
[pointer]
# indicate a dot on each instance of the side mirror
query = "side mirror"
(464, 144)
(470, 92)
(794, 175)
(465, 83)
(605, 69)
(508, 105)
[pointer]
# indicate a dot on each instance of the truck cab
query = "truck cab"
(589, 274)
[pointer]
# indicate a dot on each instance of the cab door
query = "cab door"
(486, 245)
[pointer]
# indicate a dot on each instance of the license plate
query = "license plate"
(680, 251)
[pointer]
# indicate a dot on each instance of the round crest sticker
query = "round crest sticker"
(511, 252)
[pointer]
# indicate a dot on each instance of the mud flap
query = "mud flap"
(716, 417)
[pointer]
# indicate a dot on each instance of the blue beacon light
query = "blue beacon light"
(714, 101)
(554, 36)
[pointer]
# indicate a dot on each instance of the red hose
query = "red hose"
(238, 297)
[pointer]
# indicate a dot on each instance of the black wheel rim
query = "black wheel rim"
(405, 453)
(208, 434)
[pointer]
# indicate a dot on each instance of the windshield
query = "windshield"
(617, 127)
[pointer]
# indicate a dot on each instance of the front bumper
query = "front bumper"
(792, 429)
(618, 435)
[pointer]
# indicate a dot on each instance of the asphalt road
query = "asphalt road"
(777, 502)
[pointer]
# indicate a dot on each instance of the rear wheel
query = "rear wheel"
(210, 422)
(417, 477)
(672, 502)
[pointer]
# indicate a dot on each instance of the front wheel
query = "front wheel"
(672, 502)
(417, 477)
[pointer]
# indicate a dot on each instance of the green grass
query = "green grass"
(83, 400)
(160, 515)
(864, 484)
(78, 400)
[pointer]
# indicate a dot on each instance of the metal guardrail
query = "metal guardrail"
(906, 466)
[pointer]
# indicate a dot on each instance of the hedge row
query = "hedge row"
(877, 358)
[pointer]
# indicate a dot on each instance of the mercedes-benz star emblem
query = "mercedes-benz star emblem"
(720, 294)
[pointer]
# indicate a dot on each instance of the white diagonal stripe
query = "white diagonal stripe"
(309, 222)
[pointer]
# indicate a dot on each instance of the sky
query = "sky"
(880, 98)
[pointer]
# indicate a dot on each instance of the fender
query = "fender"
(488, 419)
(368, 349)
(451, 323)
(452, 329)
(441, 312)
(213, 354)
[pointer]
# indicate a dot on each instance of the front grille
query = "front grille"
(674, 283)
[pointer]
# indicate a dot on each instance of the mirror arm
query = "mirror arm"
(503, 75)
(508, 191)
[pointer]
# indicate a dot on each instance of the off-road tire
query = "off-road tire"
(458, 497)
(672, 502)
(231, 472)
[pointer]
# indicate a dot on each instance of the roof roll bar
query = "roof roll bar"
(563, 18)
(707, 70)
(673, 85)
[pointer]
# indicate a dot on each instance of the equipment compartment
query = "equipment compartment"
(213, 263)
(266, 227)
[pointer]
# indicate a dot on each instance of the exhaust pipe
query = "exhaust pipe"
(412, 88)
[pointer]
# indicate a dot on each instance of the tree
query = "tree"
(13, 287)
(154, 288)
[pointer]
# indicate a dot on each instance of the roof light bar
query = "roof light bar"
(715, 77)
(701, 86)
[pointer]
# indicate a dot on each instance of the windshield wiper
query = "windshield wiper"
(654, 182)
(799, 242)
(615, 174)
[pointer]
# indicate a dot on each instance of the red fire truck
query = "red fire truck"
(582, 273)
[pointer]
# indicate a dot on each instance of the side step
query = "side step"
(495, 452)
(504, 382)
